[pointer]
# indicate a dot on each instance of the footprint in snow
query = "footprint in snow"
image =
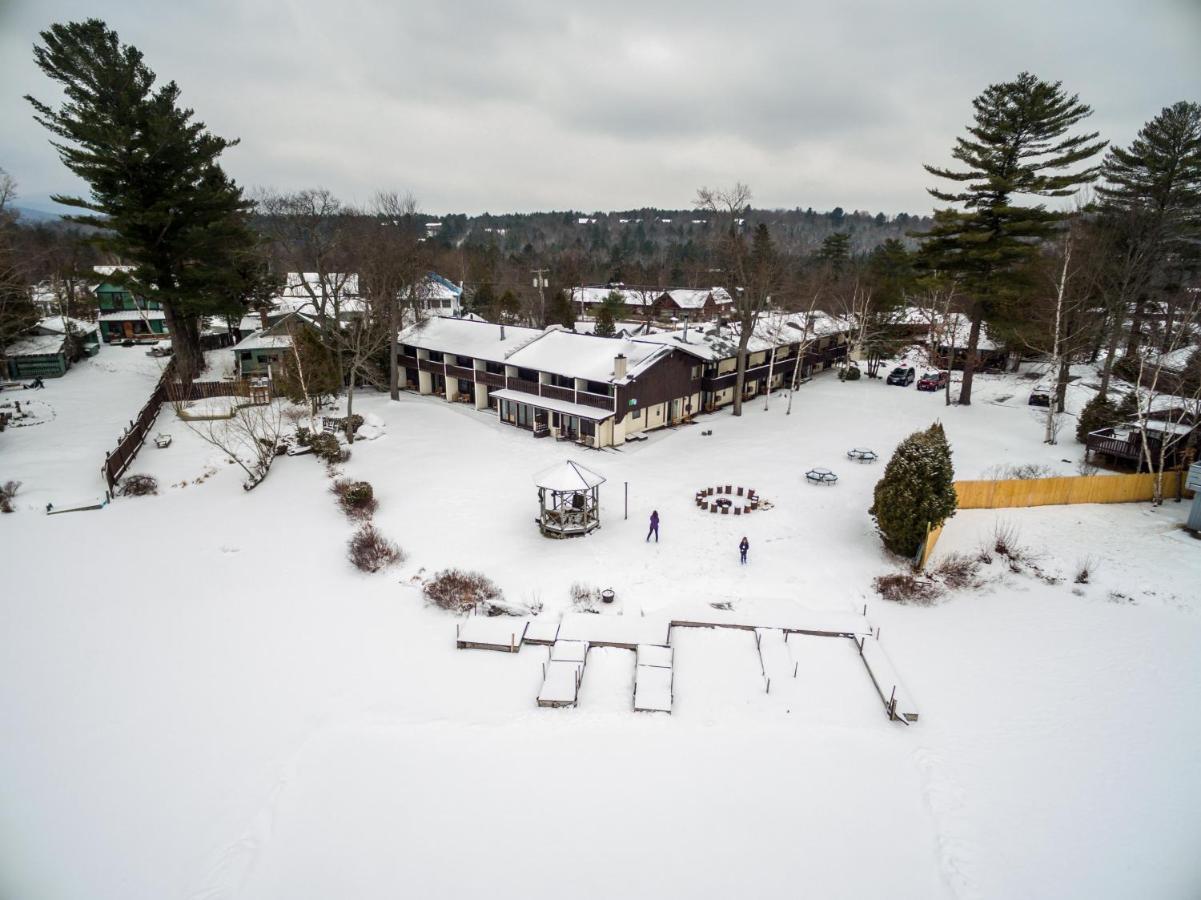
(230, 549)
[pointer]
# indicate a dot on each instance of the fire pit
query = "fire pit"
(730, 499)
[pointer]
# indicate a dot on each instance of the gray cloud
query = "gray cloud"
(525, 105)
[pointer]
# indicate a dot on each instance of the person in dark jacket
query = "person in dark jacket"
(743, 548)
(654, 526)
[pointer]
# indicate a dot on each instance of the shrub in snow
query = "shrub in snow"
(850, 373)
(1126, 368)
(139, 486)
(1085, 569)
(1100, 412)
(904, 587)
(461, 591)
(916, 492)
(1128, 407)
(957, 571)
(584, 597)
(357, 498)
(370, 551)
(8, 491)
(327, 449)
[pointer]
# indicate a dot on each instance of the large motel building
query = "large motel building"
(600, 391)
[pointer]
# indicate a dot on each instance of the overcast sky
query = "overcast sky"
(515, 106)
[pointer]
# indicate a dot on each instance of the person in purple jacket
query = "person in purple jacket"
(654, 526)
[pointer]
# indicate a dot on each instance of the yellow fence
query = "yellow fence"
(1011, 492)
(1062, 491)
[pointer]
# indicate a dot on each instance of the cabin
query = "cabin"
(257, 354)
(695, 305)
(47, 350)
(122, 314)
(643, 303)
(554, 383)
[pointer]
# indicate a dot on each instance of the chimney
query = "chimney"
(502, 331)
(619, 366)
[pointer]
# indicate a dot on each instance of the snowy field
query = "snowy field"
(200, 698)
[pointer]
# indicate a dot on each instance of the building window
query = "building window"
(636, 414)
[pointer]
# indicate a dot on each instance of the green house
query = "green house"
(37, 356)
(122, 314)
(43, 352)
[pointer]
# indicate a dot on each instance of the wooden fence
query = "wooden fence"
(117, 461)
(1062, 491)
(1017, 492)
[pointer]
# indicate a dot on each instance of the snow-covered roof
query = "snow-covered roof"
(105, 271)
(36, 345)
(712, 342)
(586, 356)
(568, 476)
(58, 325)
(435, 287)
(1175, 361)
(592, 296)
(263, 339)
(579, 410)
(468, 337)
(299, 284)
(687, 298)
(131, 315)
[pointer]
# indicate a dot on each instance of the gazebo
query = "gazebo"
(568, 500)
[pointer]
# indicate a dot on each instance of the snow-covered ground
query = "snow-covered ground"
(209, 702)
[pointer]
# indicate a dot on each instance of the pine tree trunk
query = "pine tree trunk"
(969, 362)
(1136, 328)
(185, 344)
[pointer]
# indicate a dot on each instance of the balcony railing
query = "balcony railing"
(489, 378)
(599, 401)
(520, 384)
(558, 393)
(406, 362)
(428, 365)
(460, 372)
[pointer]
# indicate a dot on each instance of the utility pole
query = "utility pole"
(540, 283)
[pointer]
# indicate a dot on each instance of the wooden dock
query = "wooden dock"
(898, 703)
(503, 633)
(654, 679)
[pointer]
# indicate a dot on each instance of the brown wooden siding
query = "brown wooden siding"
(668, 379)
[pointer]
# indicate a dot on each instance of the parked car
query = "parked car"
(902, 376)
(1040, 396)
(932, 381)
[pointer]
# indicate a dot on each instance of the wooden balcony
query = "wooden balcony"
(558, 393)
(597, 401)
(520, 384)
(428, 365)
(406, 362)
(460, 372)
(491, 379)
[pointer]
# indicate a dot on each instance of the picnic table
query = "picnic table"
(162, 441)
(862, 454)
(821, 476)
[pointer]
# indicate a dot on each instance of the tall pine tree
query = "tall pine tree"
(1151, 199)
(1018, 144)
(157, 192)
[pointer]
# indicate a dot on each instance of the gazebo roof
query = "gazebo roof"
(567, 476)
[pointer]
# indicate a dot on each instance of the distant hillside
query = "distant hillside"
(640, 232)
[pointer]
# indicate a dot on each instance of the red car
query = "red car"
(932, 381)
